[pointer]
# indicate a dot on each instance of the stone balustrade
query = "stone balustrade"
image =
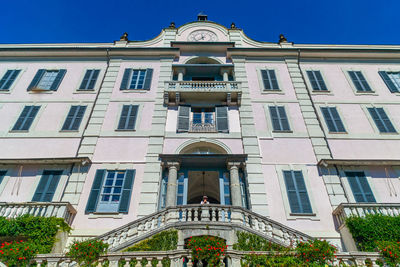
(202, 127)
(45, 209)
(177, 257)
(346, 210)
(194, 215)
(202, 86)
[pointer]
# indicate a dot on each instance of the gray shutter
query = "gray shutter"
(291, 192)
(392, 87)
(183, 119)
(356, 83)
(320, 81)
(126, 191)
(313, 81)
(386, 121)
(328, 119)
(132, 117)
(359, 186)
(338, 121)
(3, 80)
(78, 117)
(283, 118)
(302, 191)
(56, 83)
(265, 79)
(70, 117)
(8, 79)
(30, 117)
(274, 118)
(274, 81)
(147, 79)
(377, 120)
(2, 174)
(54, 178)
(364, 82)
(124, 117)
(36, 79)
(95, 192)
(92, 82)
(221, 113)
(368, 195)
(40, 190)
(125, 78)
(85, 80)
(21, 118)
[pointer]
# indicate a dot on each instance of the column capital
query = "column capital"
(234, 164)
(172, 164)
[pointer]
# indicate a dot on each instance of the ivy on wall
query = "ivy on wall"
(166, 240)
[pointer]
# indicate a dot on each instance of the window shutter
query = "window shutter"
(126, 192)
(392, 87)
(147, 80)
(85, 80)
(337, 120)
(320, 81)
(95, 192)
(125, 78)
(54, 178)
(70, 116)
(328, 119)
(302, 191)
(57, 80)
(283, 118)
(183, 118)
(221, 113)
(274, 118)
(291, 192)
(127, 120)
(265, 78)
(4, 79)
(36, 79)
(30, 117)
(2, 174)
(375, 117)
(132, 117)
(124, 117)
(92, 82)
(368, 195)
(40, 190)
(313, 80)
(364, 82)
(269, 80)
(78, 117)
(359, 186)
(21, 118)
(386, 120)
(274, 81)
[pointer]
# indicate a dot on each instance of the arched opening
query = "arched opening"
(202, 60)
(203, 147)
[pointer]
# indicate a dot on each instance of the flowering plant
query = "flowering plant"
(390, 251)
(208, 248)
(87, 253)
(315, 251)
(17, 253)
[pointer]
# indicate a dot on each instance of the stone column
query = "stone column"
(181, 72)
(173, 168)
(224, 72)
(236, 196)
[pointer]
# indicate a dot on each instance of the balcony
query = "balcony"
(177, 92)
(202, 128)
(346, 210)
(45, 209)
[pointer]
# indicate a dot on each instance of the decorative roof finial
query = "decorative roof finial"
(172, 25)
(202, 17)
(282, 38)
(124, 37)
(233, 25)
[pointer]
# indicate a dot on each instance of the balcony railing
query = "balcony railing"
(44, 209)
(346, 210)
(202, 128)
(203, 86)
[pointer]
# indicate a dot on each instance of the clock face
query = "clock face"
(202, 36)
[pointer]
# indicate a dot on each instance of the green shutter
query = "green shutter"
(8, 79)
(41, 187)
(337, 120)
(147, 79)
(386, 121)
(85, 80)
(328, 119)
(78, 118)
(56, 83)
(47, 186)
(359, 186)
(183, 119)
(273, 111)
(283, 118)
(313, 80)
(36, 79)
(222, 119)
(132, 117)
(297, 192)
(127, 191)
(95, 192)
(320, 81)
(92, 82)
(291, 192)
(125, 78)
(392, 87)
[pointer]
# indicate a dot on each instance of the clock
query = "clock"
(202, 36)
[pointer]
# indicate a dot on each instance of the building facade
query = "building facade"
(124, 139)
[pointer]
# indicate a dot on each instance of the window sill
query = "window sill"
(287, 131)
(19, 131)
(365, 93)
(5, 92)
(98, 215)
(81, 91)
(41, 91)
(125, 130)
(135, 90)
(337, 132)
(69, 131)
(303, 214)
(321, 92)
(267, 92)
(389, 133)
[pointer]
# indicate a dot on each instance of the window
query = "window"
(381, 120)
(392, 80)
(111, 191)
(8, 79)
(359, 81)
(26, 118)
(136, 79)
(203, 119)
(89, 80)
(279, 119)
(297, 192)
(74, 118)
(47, 186)
(333, 120)
(47, 80)
(316, 80)
(359, 186)
(2, 174)
(127, 120)
(269, 80)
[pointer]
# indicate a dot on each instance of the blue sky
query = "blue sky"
(306, 21)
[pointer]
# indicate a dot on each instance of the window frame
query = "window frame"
(133, 68)
(34, 122)
(352, 85)
(97, 84)
(9, 90)
(137, 121)
(269, 118)
(309, 84)
(261, 81)
(346, 184)
(84, 118)
(384, 83)
(372, 121)
(61, 183)
(314, 216)
(45, 91)
(100, 203)
(325, 124)
(203, 113)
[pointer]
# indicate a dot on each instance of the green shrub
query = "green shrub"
(208, 248)
(87, 253)
(252, 242)
(41, 231)
(315, 251)
(390, 251)
(166, 240)
(17, 253)
(368, 230)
